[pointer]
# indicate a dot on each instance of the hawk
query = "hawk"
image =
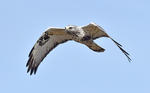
(55, 36)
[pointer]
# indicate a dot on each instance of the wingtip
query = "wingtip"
(129, 59)
(32, 70)
(120, 47)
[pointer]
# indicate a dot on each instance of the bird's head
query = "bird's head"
(71, 28)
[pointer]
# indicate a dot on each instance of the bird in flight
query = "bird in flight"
(55, 36)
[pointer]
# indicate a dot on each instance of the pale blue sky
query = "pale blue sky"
(72, 67)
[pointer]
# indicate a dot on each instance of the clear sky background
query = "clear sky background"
(72, 67)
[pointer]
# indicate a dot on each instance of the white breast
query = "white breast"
(80, 33)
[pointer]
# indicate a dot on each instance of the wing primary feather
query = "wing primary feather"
(30, 59)
(120, 47)
(31, 52)
(116, 42)
(28, 69)
(35, 69)
(31, 71)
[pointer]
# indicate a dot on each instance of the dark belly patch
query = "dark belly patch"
(85, 38)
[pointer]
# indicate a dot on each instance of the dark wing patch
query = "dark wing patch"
(43, 39)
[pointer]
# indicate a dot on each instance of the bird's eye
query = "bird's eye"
(70, 27)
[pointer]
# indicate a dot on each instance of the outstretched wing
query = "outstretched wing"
(95, 31)
(48, 41)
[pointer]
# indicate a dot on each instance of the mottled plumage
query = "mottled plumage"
(54, 36)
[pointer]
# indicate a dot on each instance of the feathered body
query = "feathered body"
(54, 36)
